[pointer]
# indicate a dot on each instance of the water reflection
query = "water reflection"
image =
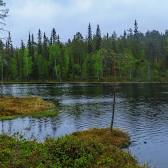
(141, 110)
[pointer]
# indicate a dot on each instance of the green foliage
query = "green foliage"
(69, 151)
(132, 57)
(97, 65)
(42, 66)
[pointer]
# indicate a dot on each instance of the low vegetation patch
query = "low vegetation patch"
(11, 107)
(105, 136)
(74, 151)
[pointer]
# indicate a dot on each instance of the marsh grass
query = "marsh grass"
(73, 151)
(12, 107)
(105, 136)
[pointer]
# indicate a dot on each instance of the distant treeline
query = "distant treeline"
(134, 56)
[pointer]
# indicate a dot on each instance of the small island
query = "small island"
(95, 148)
(12, 107)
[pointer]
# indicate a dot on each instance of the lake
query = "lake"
(141, 110)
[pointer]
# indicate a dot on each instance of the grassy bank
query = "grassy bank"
(11, 107)
(95, 148)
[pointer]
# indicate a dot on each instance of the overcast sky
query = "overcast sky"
(70, 16)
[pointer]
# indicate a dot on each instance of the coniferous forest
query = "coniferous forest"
(133, 56)
(63, 94)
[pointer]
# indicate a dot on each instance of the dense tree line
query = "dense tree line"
(134, 56)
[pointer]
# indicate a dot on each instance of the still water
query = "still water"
(141, 110)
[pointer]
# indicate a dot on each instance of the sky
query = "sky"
(71, 16)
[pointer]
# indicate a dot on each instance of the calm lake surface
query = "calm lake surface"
(141, 110)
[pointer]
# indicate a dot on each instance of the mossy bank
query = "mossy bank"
(96, 148)
(12, 107)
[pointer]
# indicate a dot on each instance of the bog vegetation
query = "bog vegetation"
(133, 56)
(35, 106)
(74, 151)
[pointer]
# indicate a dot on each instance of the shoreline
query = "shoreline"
(78, 82)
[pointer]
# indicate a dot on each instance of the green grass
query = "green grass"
(73, 151)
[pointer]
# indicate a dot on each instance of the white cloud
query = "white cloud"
(29, 9)
(83, 5)
(70, 16)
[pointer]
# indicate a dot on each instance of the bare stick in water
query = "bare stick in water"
(113, 113)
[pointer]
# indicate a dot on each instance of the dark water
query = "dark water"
(141, 110)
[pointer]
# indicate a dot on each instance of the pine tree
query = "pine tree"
(54, 36)
(9, 45)
(34, 74)
(114, 43)
(130, 33)
(45, 46)
(9, 52)
(29, 45)
(22, 45)
(135, 28)
(22, 60)
(125, 34)
(58, 40)
(69, 41)
(107, 36)
(39, 42)
(33, 47)
(51, 40)
(98, 38)
(89, 41)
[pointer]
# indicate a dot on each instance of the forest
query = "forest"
(131, 57)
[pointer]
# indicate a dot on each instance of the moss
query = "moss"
(105, 136)
(73, 151)
(12, 107)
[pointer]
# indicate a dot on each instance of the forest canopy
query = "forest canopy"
(133, 56)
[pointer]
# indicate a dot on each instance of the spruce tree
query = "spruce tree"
(29, 45)
(125, 34)
(107, 36)
(58, 40)
(54, 36)
(34, 74)
(135, 28)
(33, 47)
(89, 40)
(9, 53)
(130, 33)
(9, 45)
(22, 45)
(45, 46)
(51, 40)
(114, 41)
(39, 42)
(22, 60)
(98, 38)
